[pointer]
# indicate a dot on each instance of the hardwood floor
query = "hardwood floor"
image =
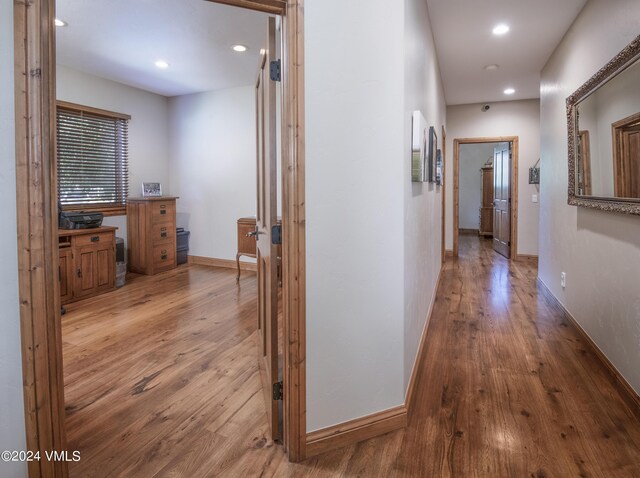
(162, 380)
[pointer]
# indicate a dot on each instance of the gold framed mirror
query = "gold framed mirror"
(603, 124)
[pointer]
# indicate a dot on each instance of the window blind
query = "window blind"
(93, 150)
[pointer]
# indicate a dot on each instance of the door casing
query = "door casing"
(39, 291)
(513, 180)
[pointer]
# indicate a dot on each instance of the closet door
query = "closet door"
(502, 199)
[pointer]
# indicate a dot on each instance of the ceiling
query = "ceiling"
(122, 39)
(462, 31)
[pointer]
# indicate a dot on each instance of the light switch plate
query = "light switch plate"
(534, 198)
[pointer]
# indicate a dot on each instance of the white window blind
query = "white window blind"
(93, 150)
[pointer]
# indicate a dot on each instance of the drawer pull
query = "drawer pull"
(95, 238)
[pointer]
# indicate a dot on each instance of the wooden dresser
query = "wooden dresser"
(486, 210)
(87, 262)
(151, 233)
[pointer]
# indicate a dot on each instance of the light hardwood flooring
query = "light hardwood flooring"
(161, 379)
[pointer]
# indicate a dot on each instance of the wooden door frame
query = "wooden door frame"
(444, 195)
(513, 184)
(39, 294)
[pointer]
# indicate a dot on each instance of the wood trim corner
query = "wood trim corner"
(527, 257)
(628, 394)
(354, 431)
(376, 424)
(419, 360)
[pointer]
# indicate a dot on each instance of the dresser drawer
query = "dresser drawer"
(98, 238)
(163, 232)
(164, 256)
(163, 211)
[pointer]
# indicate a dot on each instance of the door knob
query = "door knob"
(255, 233)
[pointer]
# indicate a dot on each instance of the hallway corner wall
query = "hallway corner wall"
(598, 251)
(423, 90)
(505, 118)
(354, 168)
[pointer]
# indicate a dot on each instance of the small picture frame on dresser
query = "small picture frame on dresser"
(150, 190)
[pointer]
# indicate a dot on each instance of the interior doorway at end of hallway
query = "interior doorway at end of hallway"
(497, 198)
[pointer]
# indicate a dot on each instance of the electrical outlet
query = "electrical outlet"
(534, 198)
(563, 279)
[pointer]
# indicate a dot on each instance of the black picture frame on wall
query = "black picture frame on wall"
(433, 148)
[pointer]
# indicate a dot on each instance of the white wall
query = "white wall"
(508, 118)
(472, 158)
(213, 166)
(12, 434)
(373, 236)
(148, 128)
(355, 176)
(599, 251)
(422, 201)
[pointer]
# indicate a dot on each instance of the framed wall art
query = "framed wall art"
(432, 153)
(418, 148)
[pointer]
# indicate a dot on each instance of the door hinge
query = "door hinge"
(275, 70)
(277, 391)
(276, 234)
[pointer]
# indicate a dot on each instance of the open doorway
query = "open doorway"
(37, 181)
(175, 339)
(485, 191)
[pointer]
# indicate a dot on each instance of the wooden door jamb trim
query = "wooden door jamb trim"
(41, 338)
(513, 184)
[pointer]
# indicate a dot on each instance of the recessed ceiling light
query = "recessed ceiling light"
(239, 48)
(492, 67)
(59, 23)
(500, 29)
(509, 91)
(162, 64)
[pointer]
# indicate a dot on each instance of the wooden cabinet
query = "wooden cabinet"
(486, 210)
(151, 232)
(87, 262)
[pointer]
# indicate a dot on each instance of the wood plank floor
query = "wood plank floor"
(161, 380)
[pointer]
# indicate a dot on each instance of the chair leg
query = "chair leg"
(238, 266)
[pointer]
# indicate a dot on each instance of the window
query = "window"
(92, 148)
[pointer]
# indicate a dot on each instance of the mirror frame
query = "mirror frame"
(616, 66)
